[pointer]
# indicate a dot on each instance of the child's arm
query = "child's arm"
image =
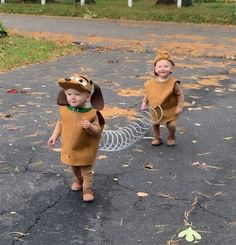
(93, 128)
(56, 133)
(180, 98)
(144, 103)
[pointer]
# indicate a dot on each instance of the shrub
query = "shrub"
(186, 3)
(3, 32)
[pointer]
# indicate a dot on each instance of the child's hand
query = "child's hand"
(52, 140)
(178, 110)
(144, 106)
(85, 123)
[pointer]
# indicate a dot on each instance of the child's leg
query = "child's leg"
(78, 180)
(87, 174)
(156, 133)
(171, 137)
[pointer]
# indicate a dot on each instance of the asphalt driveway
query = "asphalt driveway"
(192, 183)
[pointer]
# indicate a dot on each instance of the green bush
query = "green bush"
(3, 32)
(186, 3)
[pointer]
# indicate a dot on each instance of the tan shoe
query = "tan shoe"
(171, 142)
(88, 197)
(156, 142)
(76, 186)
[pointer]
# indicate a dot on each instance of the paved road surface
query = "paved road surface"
(193, 182)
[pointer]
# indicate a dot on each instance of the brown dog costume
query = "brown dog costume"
(78, 147)
(168, 95)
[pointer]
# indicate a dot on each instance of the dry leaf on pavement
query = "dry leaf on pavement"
(148, 166)
(142, 194)
(101, 157)
(56, 149)
(228, 138)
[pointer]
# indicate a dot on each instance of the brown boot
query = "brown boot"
(156, 132)
(171, 136)
(77, 184)
(156, 142)
(88, 196)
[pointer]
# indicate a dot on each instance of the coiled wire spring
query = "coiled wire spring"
(116, 140)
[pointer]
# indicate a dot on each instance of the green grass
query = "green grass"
(214, 12)
(17, 51)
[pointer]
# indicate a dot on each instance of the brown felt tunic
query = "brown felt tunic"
(78, 148)
(162, 93)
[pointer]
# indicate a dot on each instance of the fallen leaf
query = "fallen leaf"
(101, 157)
(220, 193)
(228, 138)
(194, 108)
(88, 229)
(38, 93)
(56, 149)
(218, 90)
(195, 163)
(138, 150)
(112, 61)
(190, 234)
(12, 91)
(12, 128)
(148, 166)
(142, 194)
(4, 115)
(209, 107)
(232, 223)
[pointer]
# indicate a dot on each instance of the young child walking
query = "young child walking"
(80, 126)
(163, 91)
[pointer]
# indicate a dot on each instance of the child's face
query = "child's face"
(163, 68)
(77, 98)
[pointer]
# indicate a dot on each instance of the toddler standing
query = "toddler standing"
(164, 91)
(80, 126)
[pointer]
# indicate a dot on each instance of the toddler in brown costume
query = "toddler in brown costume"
(80, 126)
(164, 91)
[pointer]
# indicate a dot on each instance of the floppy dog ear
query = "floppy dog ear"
(61, 98)
(97, 100)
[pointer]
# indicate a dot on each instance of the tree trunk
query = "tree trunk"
(90, 1)
(166, 2)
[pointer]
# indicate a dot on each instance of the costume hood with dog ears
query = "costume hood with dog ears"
(81, 83)
(164, 55)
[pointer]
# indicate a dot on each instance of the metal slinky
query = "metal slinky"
(116, 140)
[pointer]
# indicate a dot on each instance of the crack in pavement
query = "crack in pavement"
(37, 219)
(215, 214)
